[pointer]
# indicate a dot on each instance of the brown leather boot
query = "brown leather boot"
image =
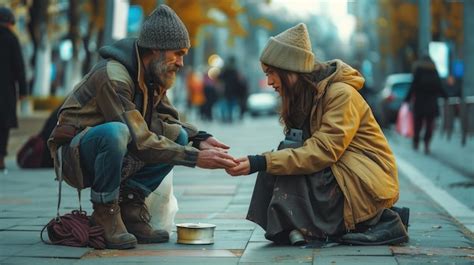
(136, 217)
(115, 233)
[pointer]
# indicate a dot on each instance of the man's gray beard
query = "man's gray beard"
(158, 71)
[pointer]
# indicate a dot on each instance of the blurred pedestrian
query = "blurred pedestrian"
(210, 94)
(12, 79)
(195, 89)
(119, 134)
(452, 87)
(424, 92)
(230, 81)
(243, 95)
(334, 176)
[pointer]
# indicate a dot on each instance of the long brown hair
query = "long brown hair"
(296, 99)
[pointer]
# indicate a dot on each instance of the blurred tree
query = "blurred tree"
(74, 33)
(37, 26)
(194, 14)
(398, 27)
(147, 5)
(93, 37)
(447, 17)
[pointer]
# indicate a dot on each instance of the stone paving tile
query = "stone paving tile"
(155, 260)
(39, 221)
(10, 250)
(19, 237)
(416, 260)
(466, 252)
(450, 242)
(140, 252)
(37, 261)
(25, 228)
(354, 251)
(239, 208)
(258, 235)
(267, 252)
(442, 232)
(25, 213)
(222, 240)
(214, 190)
(354, 260)
(42, 250)
(230, 215)
(6, 223)
(222, 224)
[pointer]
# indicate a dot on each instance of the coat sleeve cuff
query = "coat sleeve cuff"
(257, 163)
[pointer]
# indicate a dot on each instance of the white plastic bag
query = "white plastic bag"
(163, 205)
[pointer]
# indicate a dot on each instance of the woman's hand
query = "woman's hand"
(243, 168)
(213, 143)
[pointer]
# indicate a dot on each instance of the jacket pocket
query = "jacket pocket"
(380, 184)
(63, 133)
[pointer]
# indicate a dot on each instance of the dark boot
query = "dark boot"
(415, 145)
(136, 217)
(115, 233)
(404, 214)
(427, 148)
(388, 231)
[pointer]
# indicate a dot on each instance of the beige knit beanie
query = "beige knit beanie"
(163, 30)
(290, 50)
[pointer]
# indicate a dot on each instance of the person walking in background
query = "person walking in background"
(230, 81)
(243, 95)
(119, 134)
(424, 92)
(334, 176)
(210, 94)
(12, 79)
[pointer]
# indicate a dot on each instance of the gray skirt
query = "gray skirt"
(313, 204)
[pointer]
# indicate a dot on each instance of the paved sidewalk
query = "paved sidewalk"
(28, 201)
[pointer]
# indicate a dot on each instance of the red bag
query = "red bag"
(74, 229)
(404, 125)
(31, 153)
(34, 154)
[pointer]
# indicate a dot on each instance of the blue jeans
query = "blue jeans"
(102, 150)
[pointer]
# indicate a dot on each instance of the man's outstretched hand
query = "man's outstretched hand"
(213, 159)
(213, 143)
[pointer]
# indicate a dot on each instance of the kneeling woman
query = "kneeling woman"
(334, 176)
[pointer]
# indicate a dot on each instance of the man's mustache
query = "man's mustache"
(173, 68)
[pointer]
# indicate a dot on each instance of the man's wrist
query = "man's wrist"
(199, 137)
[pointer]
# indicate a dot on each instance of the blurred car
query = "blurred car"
(262, 103)
(391, 97)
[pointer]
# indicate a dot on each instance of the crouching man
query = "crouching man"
(118, 133)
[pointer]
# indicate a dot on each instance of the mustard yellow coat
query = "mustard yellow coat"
(347, 138)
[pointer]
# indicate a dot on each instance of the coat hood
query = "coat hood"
(123, 51)
(341, 72)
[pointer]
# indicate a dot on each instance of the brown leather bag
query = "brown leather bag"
(63, 133)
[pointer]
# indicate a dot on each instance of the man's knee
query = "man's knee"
(116, 134)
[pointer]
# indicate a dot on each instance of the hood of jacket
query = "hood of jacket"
(123, 51)
(341, 72)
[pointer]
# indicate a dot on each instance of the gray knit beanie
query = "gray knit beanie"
(290, 50)
(163, 30)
